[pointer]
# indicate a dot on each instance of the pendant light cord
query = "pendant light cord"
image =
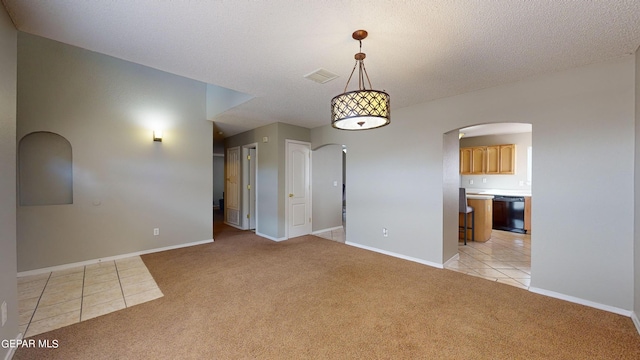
(348, 81)
(361, 70)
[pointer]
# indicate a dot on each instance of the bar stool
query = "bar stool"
(466, 209)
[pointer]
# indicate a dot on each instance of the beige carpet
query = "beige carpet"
(244, 297)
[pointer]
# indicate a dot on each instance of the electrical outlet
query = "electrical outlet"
(4, 312)
(385, 232)
(484, 180)
(156, 231)
(471, 182)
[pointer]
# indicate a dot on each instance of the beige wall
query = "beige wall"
(125, 185)
(218, 178)
(267, 175)
(8, 286)
(270, 173)
(583, 121)
(450, 194)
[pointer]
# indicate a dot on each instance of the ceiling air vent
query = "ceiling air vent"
(321, 76)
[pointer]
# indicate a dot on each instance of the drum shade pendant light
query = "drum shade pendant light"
(364, 108)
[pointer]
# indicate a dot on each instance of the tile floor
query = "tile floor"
(335, 235)
(55, 299)
(505, 258)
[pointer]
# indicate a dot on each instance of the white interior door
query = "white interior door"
(298, 188)
(232, 193)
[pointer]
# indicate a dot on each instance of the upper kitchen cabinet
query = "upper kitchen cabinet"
(472, 160)
(494, 160)
(465, 161)
(501, 159)
(508, 159)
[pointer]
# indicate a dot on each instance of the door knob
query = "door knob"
(290, 195)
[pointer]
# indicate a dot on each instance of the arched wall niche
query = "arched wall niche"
(45, 169)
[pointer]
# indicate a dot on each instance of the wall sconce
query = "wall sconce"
(157, 135)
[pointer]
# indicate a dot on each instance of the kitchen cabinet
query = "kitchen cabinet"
(508, 159)
(482, 208)
(472, 160)
(492, 160)
(465, 161)
(477, 160)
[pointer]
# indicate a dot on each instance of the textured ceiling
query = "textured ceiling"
(416, 50)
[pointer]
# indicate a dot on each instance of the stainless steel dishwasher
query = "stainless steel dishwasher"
(508, 213)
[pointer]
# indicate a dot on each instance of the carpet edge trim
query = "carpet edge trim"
(453, 258)
(325, 230)
(400, 256)
(577, 300)
(270, 237)
(235, 226)
(110, 258)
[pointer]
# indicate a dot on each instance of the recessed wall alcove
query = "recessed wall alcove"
(45, 169)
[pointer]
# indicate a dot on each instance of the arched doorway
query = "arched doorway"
(503, 256)
(329, 191)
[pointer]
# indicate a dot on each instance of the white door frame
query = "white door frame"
(246, 172)
(287, 185)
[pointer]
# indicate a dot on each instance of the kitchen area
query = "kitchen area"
(498, 209)
(495, 173)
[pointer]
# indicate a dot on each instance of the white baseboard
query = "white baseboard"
(580, 301)
(325, 230)
(453, 258)
(110, 258)
(636, 321)
(420, 261)
(271, 237)
(12, 350)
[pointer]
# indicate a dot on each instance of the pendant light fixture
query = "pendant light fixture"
(364, 108)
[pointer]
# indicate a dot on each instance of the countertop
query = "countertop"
(479, 197)
(472, 192)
